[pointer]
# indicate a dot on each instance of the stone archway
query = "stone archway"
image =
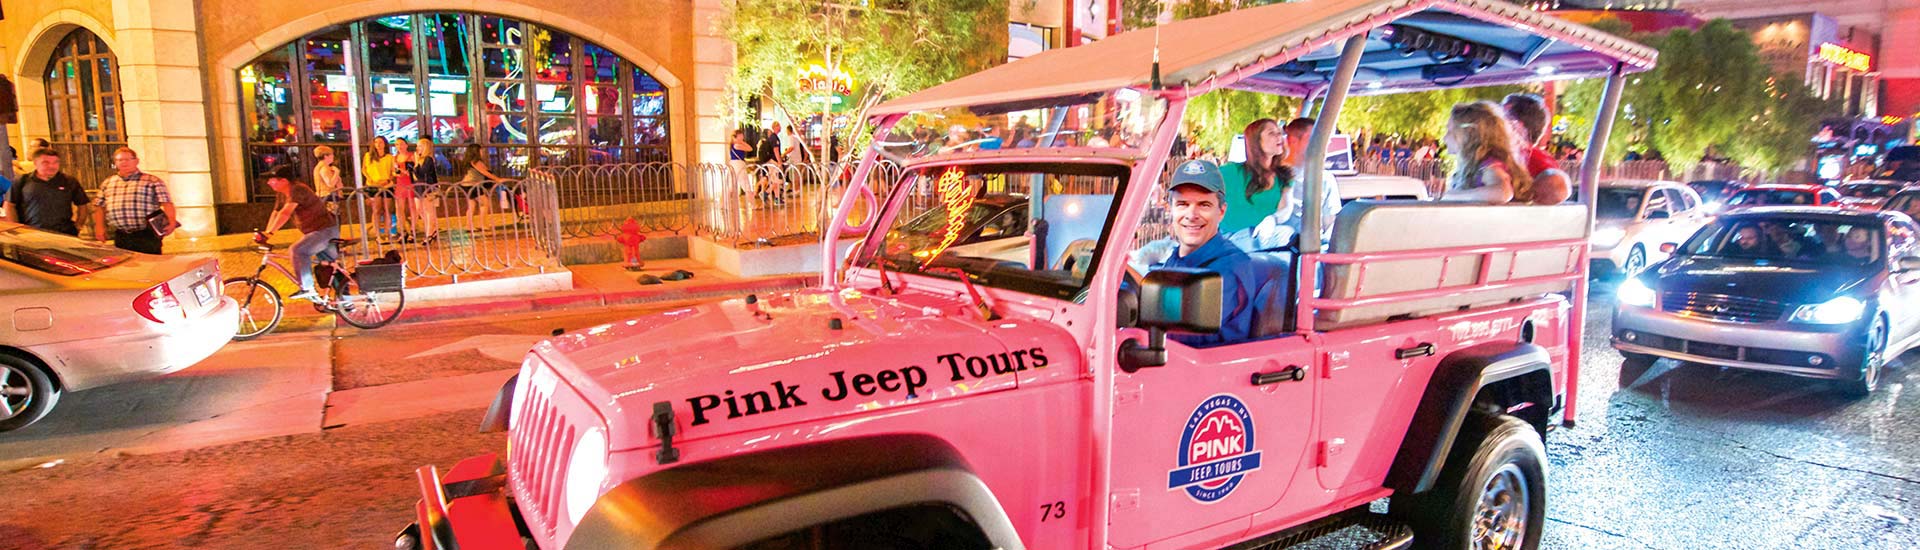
(30, 84)
(225, 71)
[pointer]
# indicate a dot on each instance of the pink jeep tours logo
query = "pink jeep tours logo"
(1216, 450)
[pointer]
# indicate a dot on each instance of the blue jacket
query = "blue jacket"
(1246, 293)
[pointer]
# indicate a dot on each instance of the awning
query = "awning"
(1291, 49)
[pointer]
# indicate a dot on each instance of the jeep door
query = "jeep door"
(1199, 447)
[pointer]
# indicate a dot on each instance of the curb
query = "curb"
(577, 299)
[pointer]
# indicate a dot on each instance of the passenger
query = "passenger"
(1529, 115)
(1299, 132)
(1789, 244)
(1485, 166)
(1195, 206)
(1255, 190)
(1859, 245)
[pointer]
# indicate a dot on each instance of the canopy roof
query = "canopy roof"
(1292, 48)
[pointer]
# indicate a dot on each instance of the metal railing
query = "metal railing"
(453, 229)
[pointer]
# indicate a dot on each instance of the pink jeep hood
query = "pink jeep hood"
(735, 366)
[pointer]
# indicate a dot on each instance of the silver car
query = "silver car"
(84, 315)
(1807, 291)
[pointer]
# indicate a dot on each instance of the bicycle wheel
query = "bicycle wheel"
(260, 306)
(370, 309)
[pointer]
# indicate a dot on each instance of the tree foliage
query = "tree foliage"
(889, 48)
(1421, 115)
(1215, 117)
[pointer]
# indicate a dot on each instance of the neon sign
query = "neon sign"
(1840, 55)
(819, 80)
(956, 194)
(1892, 119)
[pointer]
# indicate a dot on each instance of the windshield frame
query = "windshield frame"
(869, 249)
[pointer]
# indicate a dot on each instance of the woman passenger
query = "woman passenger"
(1257, 188)
(1485, 168)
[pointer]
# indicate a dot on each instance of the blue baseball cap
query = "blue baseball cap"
(1202, 173)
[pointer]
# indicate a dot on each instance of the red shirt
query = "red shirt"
(1539, 161)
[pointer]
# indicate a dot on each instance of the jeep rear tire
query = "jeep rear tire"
(1491, 494)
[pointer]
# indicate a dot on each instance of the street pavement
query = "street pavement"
(1685, 457)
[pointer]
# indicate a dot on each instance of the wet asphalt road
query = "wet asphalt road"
(1693, 456)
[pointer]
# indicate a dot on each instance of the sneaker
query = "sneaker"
(307, 295)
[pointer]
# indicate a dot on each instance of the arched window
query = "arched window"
(83, 105)
(531, 95)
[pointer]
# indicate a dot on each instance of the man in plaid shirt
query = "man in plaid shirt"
(127, 200)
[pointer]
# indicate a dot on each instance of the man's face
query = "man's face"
(1196, 215)
(776, 127)
(1748, 237)
(46, 166)
(1859, 243)
(126, 163)
(1297, 141)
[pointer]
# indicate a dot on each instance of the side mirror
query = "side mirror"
(1183, 299)
(1659, 215)
(1908, 263)
(1668, 248)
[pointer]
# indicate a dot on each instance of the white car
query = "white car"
(1867, 195)
(1380, 187)
(86, 315)
(1634, 218)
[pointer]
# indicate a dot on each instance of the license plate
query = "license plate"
(202, 292)
(1717, 351)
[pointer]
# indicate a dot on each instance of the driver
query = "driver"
(1195, 205)
(1747, 243)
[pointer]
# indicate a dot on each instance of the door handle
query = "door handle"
(1294, 373)
(1423, 350)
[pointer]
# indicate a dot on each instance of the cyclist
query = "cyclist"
(309, 213)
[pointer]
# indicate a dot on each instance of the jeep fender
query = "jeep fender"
(1449, 397)
(732, 501)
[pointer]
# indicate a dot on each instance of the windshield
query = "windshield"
(1711, 191)
(1118, 119)
(57, 254)
(1818, 240)
(993, 242)
(1905, 203)
(1754, 197)
(1869, 190)
(1618, 203)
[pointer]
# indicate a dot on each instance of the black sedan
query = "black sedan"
(1812, 292)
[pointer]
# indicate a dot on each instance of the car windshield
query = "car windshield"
(1906, 203)
(991, 243)
(1818, 240)
(1711, 190)
(1618, 203)
(1869, 190)
(57, 254)
(1754, 197)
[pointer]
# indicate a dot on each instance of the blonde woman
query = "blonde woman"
(403, 188)
(1485, 166)
(377, 166)
(326, 175)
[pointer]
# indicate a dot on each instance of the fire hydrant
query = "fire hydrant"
(630, 239)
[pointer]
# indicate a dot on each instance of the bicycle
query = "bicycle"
(367, 296)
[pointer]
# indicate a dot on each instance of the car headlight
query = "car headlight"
(1838, 311)
(586, 470)
(1608, 237)
(1714, 207)
(1634, 293)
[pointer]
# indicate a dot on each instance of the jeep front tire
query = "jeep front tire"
(1490, 495)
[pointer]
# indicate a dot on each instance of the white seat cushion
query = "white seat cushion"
(1388, 226)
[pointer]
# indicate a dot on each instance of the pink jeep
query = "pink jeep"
(978, 375)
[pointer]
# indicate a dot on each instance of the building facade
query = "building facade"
(212, 93)
(1877, 60)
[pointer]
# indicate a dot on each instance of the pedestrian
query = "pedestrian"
(318, 228)
(45, 198)
(128, 199)
(772, 159)
(377, 168)
(326, 175)
(738, 151)
(427, 168)
(478, 181)
(24, 165)
(403, 189)
(1485, 168)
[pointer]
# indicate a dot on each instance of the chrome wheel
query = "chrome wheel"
(1876, 353)
(1636, 261)
(1500, 519)
(16, 392)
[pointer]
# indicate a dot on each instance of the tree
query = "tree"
(1421, 115)
(1213, 118)
(1581, 100)
(1708, 86)
(1776, 137)
(888, 47)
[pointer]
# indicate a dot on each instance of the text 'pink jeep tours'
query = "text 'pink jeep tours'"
(988, 366)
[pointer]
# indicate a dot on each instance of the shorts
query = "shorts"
(404, 193)
(379, 192)
(475, 191)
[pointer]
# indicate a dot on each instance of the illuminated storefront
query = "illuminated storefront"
(530, 95)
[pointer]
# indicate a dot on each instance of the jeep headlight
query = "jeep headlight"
(1608, 237)
(586, 470)
(1838, 311)
(1632, 292)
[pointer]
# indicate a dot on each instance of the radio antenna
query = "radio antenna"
(1156, 58)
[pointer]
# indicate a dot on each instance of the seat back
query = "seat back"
(1274, 271)
(1391, 226)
